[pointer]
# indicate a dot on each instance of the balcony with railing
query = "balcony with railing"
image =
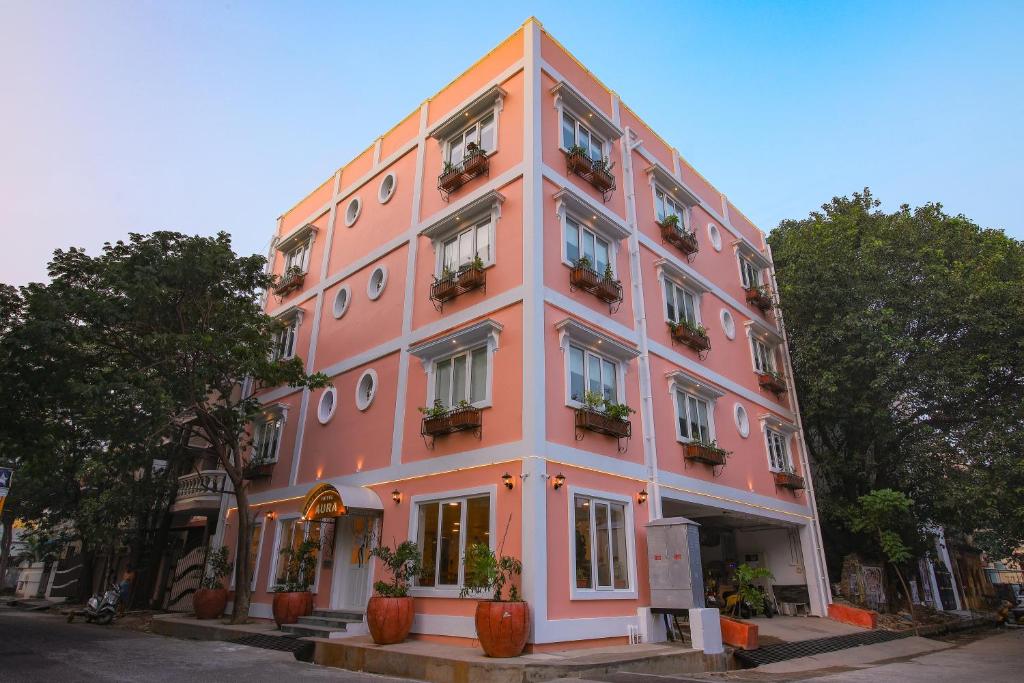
(200, 490)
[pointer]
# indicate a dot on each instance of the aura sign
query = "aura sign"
(322, 502)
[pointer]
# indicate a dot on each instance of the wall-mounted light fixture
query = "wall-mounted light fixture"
(559, 481)
(642, 497)
(396, 496)
(271, 515)
(507, 479)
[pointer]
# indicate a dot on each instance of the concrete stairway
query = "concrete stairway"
(323, 623)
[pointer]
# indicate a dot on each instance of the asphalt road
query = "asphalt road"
(42, 647)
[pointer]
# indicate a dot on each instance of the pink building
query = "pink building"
(508, 250)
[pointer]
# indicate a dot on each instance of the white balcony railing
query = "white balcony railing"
(201, 489)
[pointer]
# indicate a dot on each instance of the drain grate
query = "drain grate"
(805, 648)
(282, 643)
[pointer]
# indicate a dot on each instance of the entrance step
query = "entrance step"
(348, 615)
(337, 621)
(313, 630)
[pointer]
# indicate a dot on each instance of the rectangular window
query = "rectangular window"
(751, 274)
(575, 133)
(460, 250)
(778, 454)
(763, 357)
(694, 423)
(284, 340)
(665, 206)
(266, 437)
(481, 133)
(297, 258)
(591, 372)
(581, 242)
(445, 528)
(291, 536)
(462, 377)
(600, 543)
(680, 304)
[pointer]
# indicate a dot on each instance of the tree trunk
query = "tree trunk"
(5, 549)
(243, 572)
(85, 579)
(910, 598)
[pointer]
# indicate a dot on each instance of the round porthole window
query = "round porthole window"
(378, 280)
(742, 421)
(728, 324)
(341, 300)
(715, 235)
(366, 389)
(328, 403)
(352, 211)
(387, 188)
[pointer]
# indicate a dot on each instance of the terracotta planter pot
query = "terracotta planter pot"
(209, 603)
(502, 627)
(288, 607)
(389, 619)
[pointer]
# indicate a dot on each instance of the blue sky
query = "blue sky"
(201, 116)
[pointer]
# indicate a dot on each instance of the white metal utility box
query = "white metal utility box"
(673, 561)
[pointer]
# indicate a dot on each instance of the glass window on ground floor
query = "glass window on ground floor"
(600, 544)
(445, 528)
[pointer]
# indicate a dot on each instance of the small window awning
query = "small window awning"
(296, 237)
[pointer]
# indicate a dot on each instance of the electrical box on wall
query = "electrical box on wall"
(673, 562)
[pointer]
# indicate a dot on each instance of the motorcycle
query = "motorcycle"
(101, 609)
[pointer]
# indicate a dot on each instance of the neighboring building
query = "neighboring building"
(375, 298)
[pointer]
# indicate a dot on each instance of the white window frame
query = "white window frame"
(583, 212)
(678, 292)
(293, 319)
(378, 293)
(363, 403)
(747, 253)
(294, 259)
(592, 135)
(488, 103)
(272, 579)
(781, 441)
(456, 235)
(681, 382)
(484, 208)
(477, 123)
(710, 409)
(758, 332)
(581, 228)
(763, 354)
(443, 497)
(274, 415)
(300, 239)
(486, 401)
(748, 269)
(484, 333)
(332, 391)
(262, 524)
(587, 354)
(784, 431)
(630, 532)
(573, 333)
(681, 208)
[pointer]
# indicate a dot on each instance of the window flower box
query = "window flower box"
(475, 163)
(451, 285)
(471, 277)
(772, 381)
(696, 337)
(760, 297)
(258, 470)
(677, 236)
(290, 281)
(695, 451)
(597, 173)
(789, 480)
(607, 289)
(597, 421)
(444, 288)
(462, 418)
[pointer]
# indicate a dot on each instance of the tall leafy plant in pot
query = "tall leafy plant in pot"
(292, 597)
(389, 613)
(501, 624)
(211, 598)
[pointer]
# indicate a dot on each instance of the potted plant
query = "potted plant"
(708, 453)
(389, 613)
(675, 234)
(501, 625)
(759, 296)
(772, 381)
(751, 596)
(292, 597)
(788, 478)
(437, 419)
(693, 335)
(577, 160)
(474, 160)
(583, 274)
(211, 598)
(603, 416)
(290, 279)
(258, 467)
(444, 286)
(471, 275)
(602, 178)
(451, 177)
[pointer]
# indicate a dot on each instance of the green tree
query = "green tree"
(884, 517)
(179, 319)
(907, 342)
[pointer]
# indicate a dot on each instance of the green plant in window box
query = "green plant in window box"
(577, 150)
(473, 150)
(670, 221)
(436, 411)
(617, 411)
(608, 274)
(449, 168)
(584, 262)
(684, 324)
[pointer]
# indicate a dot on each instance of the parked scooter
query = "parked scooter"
(101, 609)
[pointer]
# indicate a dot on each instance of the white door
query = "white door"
(351, 580)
